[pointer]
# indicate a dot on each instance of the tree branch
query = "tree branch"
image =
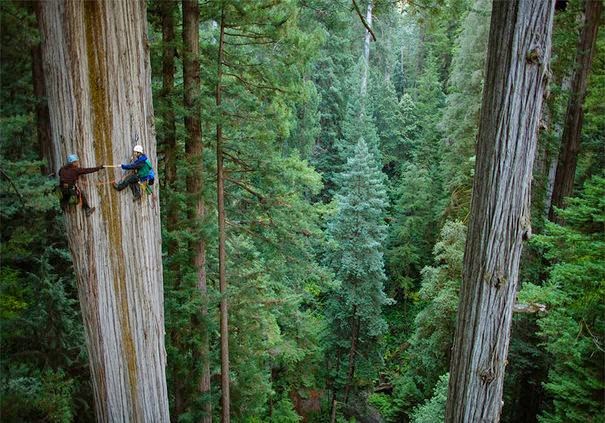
(529, 308)
(247, 188)
(13, 185)
(363, 20)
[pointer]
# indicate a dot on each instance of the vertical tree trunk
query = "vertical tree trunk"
(98, 82)
(366, 52)
(42, 114)
(167, 13)
(572, 131)
(222, 257)
(168, 146)
(512, 101)
(194, 149)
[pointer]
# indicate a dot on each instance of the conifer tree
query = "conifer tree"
(574, 118)
(389, 122)
(463, 103)
(429, 100)
(354, 309)
(427, 355)
(572, 329)
(358, 123)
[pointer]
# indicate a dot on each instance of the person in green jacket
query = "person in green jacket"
(144, 173)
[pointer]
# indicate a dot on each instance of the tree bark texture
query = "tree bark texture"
(194, 149)
(516, 77)
(572, 131)
(222, 256)
(98, 82)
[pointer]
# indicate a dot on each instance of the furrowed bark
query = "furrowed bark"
(194, 149)
(574, 118)
(516, 78)
(98, 82)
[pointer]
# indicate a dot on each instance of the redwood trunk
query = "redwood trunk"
(167, 13)
(572, 131)
(167, 9)
(222, 256)
(516, 78)
(194, 149)
(98, 82)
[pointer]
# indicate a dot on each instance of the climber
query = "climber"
(144, 173)
(68, 176)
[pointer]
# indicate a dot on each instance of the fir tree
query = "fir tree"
(357, 232)
(389, 122)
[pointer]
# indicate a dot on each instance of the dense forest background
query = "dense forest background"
(348, 174)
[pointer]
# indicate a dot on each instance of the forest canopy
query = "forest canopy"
(314, 166)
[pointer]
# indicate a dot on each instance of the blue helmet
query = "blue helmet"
(72, 158)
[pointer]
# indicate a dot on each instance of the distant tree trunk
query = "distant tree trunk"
(222, 256)
(516, 78)
(167, 14)
(98, 82)
(572, 131)
(366, 52)
(42, 114)
(194, 150)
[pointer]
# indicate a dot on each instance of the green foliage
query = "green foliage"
(573, 326)
(356, 234)
(284, 412)
(463, 104)
(429, 346)
(433, 410)
(358, 124)
(294, 125)
(46, 397)
(429, 100)
(43, 365)
(384, 404)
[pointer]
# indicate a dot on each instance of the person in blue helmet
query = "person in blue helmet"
(68, 176)
(142, 172)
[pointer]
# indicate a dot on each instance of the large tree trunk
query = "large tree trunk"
(98, 82)
(222, 256)
(194, 149)
(572, 131)
(516, 78)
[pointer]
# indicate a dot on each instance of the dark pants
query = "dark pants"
(133, 181)
(70, 192)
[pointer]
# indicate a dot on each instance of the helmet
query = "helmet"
(72, 158)
(138, 149)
